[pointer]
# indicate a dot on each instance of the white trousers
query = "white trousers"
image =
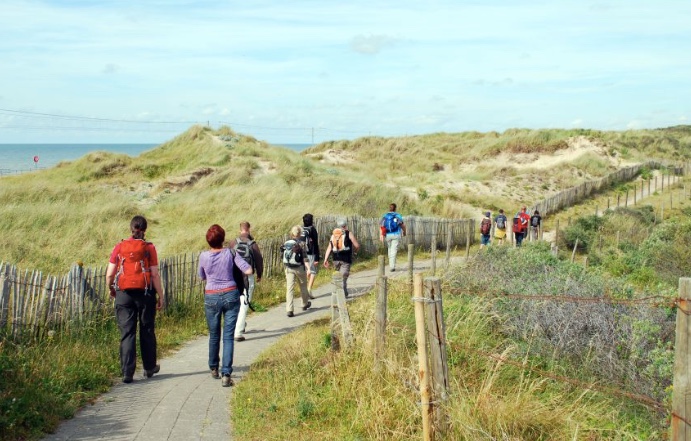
(244, 306)
(392, 241)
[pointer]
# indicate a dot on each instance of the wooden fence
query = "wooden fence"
(574, 195)
(32, 304)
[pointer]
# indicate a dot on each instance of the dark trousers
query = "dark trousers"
(131, 308)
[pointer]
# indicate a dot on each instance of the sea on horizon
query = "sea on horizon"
(17, 158)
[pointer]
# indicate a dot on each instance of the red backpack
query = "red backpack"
(133, 267)
(485, 226)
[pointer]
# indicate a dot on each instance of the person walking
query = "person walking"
(485, 229)
(520, 226)
(535, 225)
(392, 227)
(296, 267)
(248, 249)
(133, 278)
(223, 270)
(310, 238)
(342, 245)
(500, 227)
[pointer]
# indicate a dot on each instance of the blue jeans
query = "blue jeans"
(225, 306)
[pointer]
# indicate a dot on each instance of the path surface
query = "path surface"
(183, 402)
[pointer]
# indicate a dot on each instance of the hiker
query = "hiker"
(535, 225)
(500, 227)
(248, 249)
(311, 240)
(296, 267)
(342, 245)
(392, 227)
(223, 270)
(520, 226)
(134, 282)
(485, 229)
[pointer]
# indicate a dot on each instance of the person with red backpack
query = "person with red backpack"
(342, 245)
(134, 282)
(520, 225)
(485, 229)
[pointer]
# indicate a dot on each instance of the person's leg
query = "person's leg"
(392, 242)
(301, 276)
(231, 307)
(311, 274)
(245, 299)
(345, 272)
(147, 329)
(212, 309)
(126, 316)
(290, 289)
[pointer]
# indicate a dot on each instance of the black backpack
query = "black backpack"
(306, 239)
(244, 249)
(238, 275)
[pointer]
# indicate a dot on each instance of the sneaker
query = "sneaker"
(290, 313)
(307, 306)
(227, 381)
(240, 338)
(127, 379)
(214, 373)
(150, 373)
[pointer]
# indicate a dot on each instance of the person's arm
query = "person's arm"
(315, 241)
(353, 240)
(245, 267)
(156, 280)
(326, 255)
(110, 278)
(258, 261)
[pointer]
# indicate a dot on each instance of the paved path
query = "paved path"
(183, 402)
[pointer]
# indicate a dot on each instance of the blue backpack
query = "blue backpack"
(391, 223)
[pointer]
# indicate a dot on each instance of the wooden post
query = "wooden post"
(681, 392)
(439, 369)
(556, 233)
(421, 337)
(381, 265)
(634, 193)
(380, 322)
(642, 189)
(343, 317)
(467, 240)
(411, 257)
(434, 248)
(608, 203)
(626, 201)
(618, 196)
(573, 254)
(448, 245)
(335, 340)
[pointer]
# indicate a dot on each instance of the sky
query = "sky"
(307, 71)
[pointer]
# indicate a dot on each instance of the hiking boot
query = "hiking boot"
(150, 372)
(127, 379)
(214, 373)
(227, 381)
(307, 306)
(393, 270)
(240, 338)
(290, 314)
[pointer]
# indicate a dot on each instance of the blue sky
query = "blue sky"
(305, 71)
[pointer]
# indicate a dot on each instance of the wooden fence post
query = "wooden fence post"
(467, 240)
(434, 249)
(626, 201)
(381, 265)
(436, 329)
(338, 303)
(380, 322)
(421, 337)
(681, 392)
(448, 245)
(573, 254)
(556, 233)
(411, 257)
